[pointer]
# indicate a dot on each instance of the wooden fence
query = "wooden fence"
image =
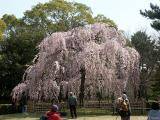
(136, 107)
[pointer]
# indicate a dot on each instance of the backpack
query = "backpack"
(123, 107)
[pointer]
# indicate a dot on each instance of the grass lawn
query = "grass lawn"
(36, 117)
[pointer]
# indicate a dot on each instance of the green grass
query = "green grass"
(101, 112)
(31, 116)
(20, 116)
(83, 114)
(92, 111)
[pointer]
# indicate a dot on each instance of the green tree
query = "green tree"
(58, 15)
(148, 51)
(155, 85)
(154, 15)
(102, 19)
(17, 50)
(2, 28)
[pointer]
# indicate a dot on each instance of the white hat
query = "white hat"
(124, 96)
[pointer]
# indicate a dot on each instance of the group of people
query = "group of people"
(122, 107)
(53, 114)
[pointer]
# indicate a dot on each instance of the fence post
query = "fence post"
(113, 108)
(144, 106)
(33, 106)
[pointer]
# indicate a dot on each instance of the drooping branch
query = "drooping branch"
(100, 48)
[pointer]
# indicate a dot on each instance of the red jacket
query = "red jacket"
(53, 116)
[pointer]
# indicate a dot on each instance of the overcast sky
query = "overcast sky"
(125, 13)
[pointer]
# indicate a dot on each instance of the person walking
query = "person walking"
(72, 102)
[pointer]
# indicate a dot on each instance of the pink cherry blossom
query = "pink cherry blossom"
(110, 65)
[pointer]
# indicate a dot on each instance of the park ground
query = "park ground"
(36, 117)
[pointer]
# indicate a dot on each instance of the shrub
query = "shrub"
(8, 109)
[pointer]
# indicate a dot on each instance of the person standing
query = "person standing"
(123, 107)
(128, 107)
(154, 113)
(72, 101)
(23, 102)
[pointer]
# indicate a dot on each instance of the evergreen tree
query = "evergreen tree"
(147, 49)
(156, 83)
(154, 15)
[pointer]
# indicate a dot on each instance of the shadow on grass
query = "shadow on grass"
(32, 116)
(20, 116)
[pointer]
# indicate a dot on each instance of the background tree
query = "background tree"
(154, 15)
(17, 50)
(102, 19)
(2, 28)
(58, 15)
(155, 84)
(149, 55)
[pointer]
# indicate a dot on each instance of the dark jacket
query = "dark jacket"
(72, 100)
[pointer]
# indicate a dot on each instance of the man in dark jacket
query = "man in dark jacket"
(72, 101)
(23, 102)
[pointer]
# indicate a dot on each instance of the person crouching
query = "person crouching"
(53, 114)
